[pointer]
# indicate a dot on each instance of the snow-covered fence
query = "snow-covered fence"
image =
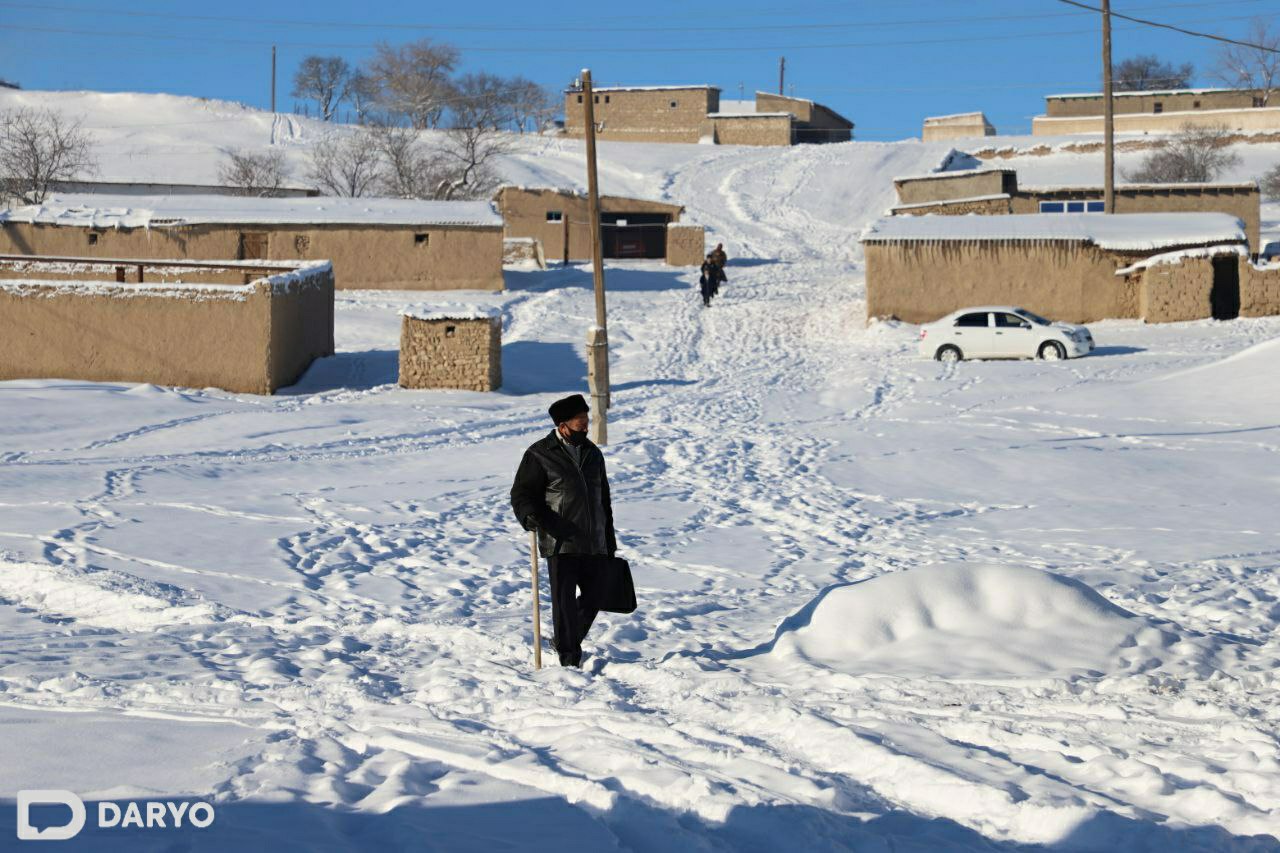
(240, 326)
(451, 346)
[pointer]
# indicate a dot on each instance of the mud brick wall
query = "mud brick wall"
(1173, 293)
(1259, 290)
(686, 245)
(451, 353)
(979, 206)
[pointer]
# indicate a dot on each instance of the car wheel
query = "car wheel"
(949, 353)
(1052, 351)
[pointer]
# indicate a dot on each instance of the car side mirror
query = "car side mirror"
(1025, 326)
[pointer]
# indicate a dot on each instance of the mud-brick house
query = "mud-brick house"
(1072, 267)
(697, 114)
(1159, 111)
(998, 191)
(380, 244)
(629, 227)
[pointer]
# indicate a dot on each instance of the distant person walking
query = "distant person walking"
(561, 490)
(718, 255)
(709, 281)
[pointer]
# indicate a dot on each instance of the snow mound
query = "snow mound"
(963, 621)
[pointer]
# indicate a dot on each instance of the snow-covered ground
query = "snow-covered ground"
(886, 604)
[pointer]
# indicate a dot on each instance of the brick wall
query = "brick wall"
(686, 245)
(1259, 290)
(451, 353)
(753, 130)
(1173, 293)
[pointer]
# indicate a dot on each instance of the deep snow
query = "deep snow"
(885, 603)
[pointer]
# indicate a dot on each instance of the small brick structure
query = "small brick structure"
(686, 245)
(451, 346)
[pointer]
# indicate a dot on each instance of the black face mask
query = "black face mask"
(577, 437)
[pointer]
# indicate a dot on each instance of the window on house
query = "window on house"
(449, 331)
(606, 99)
(1158, 107)
(1052, 207)
(674, 104)
(1096, 207)
(596, 98)
(93, 239)
(421, 240)
(1257, 101)
(1075, 207)
(1195, 105)
(555, 216)
(579, 99)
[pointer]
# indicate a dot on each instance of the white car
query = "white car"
(1002, 331)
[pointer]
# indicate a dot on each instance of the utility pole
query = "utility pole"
(782, 73)
(1108, 116)
(273, 78)
(597, 335)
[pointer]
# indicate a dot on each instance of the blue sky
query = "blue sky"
(883, 65)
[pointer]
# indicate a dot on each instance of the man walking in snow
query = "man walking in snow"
(709, 281)
(719, 257)
(561, 490)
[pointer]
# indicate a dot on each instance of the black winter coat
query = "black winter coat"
(567, 504)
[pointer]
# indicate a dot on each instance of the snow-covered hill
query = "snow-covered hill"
(885, 603)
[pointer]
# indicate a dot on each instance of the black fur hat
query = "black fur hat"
(566, 409)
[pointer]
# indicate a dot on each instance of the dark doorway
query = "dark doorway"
(634, 235)
(1224, 299)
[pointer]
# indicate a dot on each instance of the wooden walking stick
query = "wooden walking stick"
(537, 611)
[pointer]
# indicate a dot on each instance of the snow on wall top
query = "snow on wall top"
(1145, 92)
(753, 114)
(451, 311)
(1119, 232)
(737, 106)
(596, 89)
(953, 117)
(106, 211)
(956, 173)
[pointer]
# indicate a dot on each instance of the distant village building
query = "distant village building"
(629, 227)
(386, 244)
(1163, 111)
(1073, 267)
(242, 326)
(997, 191)
(695, 114)
(135, 188)
(958, 126)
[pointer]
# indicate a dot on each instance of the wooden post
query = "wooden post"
(598, 370)
(782, 73)
(120, 274)
(564, 218)
(537, 610)
(140, 268)
(1108, 116)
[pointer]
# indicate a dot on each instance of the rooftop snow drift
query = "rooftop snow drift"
(1118, 232)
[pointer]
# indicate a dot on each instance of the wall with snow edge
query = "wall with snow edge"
(377, 256)
(459, 347)
(1240, 120)
(251, 338)
(1259, 290)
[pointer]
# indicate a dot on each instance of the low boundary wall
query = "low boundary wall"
(456, 347)
(59, 319)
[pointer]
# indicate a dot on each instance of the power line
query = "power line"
(1176, 29)
(347, 25)
(610, 50)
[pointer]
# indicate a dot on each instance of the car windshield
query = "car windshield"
(1035, 318)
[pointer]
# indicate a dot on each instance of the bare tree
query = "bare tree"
(480, 100)
(254, 173)
(39, 148)
(322, 79)
(364, 93)
(1148, 71)
(408, 169)
(1256, 68)
(1193, 155)
(414, 79)
(531, 105)
(1270, 183)
(468, 162)
(346, 165)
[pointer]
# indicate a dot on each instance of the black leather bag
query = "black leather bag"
(613, 590)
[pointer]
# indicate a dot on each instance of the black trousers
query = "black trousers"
(571, 616)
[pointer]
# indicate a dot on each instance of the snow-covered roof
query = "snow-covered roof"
(1119, 232)
(936, 202)
(1127, 94)
(736, 106)
(1182, 255)
(451, 311)
(958, 173)
(954, 117)
(598, 89)
(1054, 188)
(760, 92)
(748, 115)
(107, 211)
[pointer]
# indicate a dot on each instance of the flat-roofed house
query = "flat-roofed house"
(390, 244)
(1159, 111)
(958, 126)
